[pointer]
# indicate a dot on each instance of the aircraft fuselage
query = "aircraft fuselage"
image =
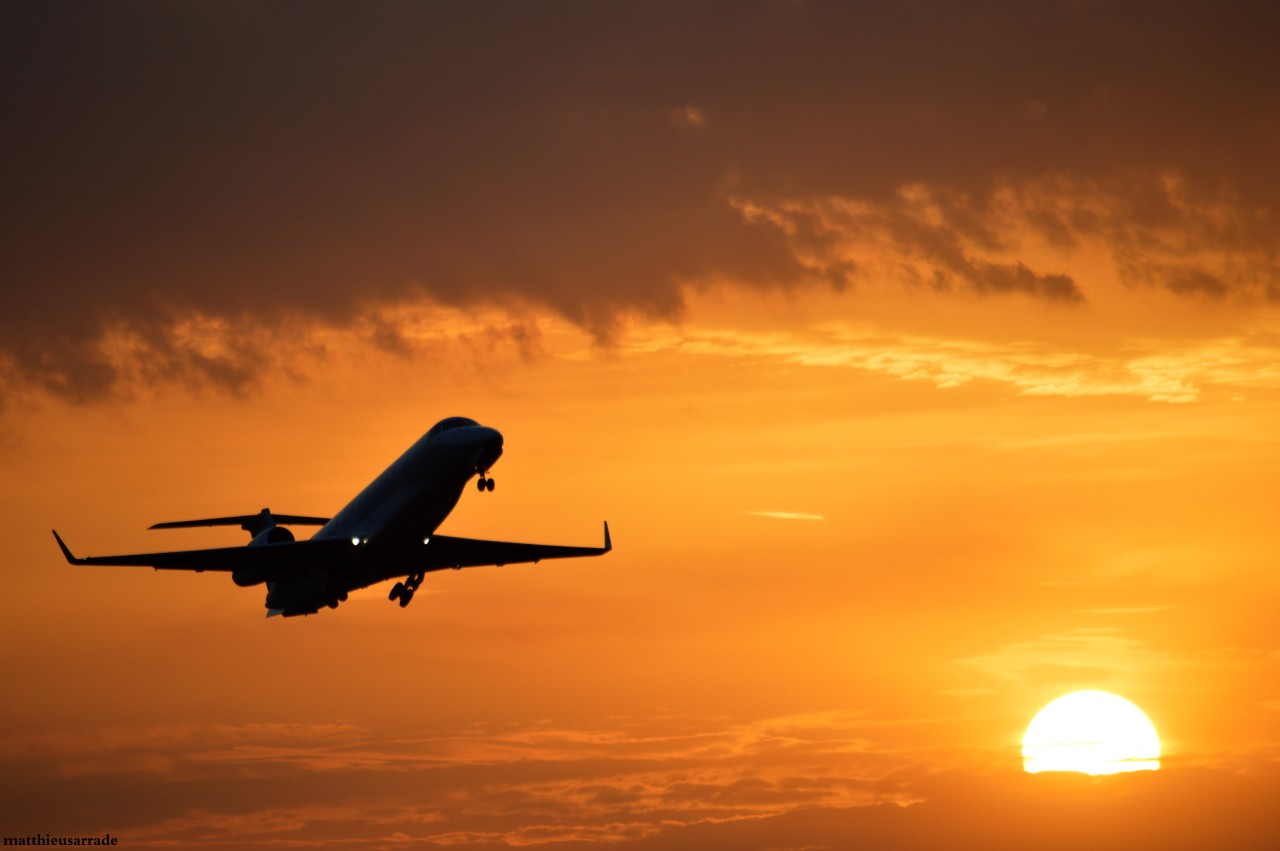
(413, 496)
(397, 513)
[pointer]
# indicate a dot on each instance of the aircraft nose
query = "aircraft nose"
(491, 438)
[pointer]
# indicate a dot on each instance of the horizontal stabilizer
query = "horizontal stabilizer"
(252, 523)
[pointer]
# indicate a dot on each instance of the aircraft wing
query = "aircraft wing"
(278, 559)
(444, 552)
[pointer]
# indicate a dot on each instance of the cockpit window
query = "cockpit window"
(451, 423)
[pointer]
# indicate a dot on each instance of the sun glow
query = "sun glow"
(1093, 732)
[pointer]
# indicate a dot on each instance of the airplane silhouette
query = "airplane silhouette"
(386, 532)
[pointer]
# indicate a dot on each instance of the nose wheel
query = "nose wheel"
(484, 483)
(403, 591)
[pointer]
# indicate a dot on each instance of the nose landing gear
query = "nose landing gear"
(484, 483)
(404, 590)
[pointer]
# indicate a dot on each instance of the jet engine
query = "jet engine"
(246, 578)
(272, 535)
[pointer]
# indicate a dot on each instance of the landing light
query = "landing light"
(355, 542)
(426, 541)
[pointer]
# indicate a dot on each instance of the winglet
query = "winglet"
(67, 553)
(608, 543)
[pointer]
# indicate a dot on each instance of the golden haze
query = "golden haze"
(923, 358)
(980, 549)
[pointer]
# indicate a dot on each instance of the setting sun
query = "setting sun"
(1093, 732)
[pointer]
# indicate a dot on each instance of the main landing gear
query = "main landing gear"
(404, 590)
(484, 483)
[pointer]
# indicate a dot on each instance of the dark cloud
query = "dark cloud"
(252, 160)
(933, 247)
(1197, 281)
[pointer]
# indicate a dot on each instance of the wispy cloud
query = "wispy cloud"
(1017, 237)
(1128, 610)
(1093, 654)
(786, 515)
(1146, 370)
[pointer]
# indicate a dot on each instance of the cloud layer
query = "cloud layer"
(261, 165)
(532, 785)
(800, 781)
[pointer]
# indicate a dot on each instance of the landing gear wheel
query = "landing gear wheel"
(489, 485)
(406, 597)
(481, 484)
(396, 591)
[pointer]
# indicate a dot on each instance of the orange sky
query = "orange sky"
(922, 376)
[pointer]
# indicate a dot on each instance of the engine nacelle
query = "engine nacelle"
(272, 535)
